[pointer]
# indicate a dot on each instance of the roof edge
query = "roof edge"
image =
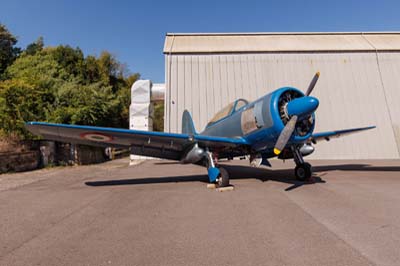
(181, 43)
(282, 33)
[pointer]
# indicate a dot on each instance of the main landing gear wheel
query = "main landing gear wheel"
(303, 171)
(223, 178)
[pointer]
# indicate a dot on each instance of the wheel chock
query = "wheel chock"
(224, 189)
(220, 189)
(211, 186)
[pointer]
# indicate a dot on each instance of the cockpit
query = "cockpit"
(228, 110)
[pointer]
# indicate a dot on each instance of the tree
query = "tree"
(35, 47)
(92, 104)
(40, 67)
(58, 84)
(8, 51)
(70, 59)
(21, 101)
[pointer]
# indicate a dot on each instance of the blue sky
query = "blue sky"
(134, 31)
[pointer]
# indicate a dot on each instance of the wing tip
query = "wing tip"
(34, 123)
(366, 128)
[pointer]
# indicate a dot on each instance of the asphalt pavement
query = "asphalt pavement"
(162, 213)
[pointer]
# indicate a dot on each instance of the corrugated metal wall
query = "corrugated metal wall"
(355, 89)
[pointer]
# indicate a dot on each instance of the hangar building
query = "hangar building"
(359, 83)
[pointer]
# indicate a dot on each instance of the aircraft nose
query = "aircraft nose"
(302, 106)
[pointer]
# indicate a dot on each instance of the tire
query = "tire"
(303, 172)
(223, 179)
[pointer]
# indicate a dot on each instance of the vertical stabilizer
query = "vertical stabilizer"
(187, 124)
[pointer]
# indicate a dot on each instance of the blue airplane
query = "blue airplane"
(279, 124)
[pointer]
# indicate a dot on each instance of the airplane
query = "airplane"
(279, 124)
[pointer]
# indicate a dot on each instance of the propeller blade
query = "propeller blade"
(285, 135)
(312, 84)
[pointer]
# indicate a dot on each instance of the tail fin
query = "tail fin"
(187, 124)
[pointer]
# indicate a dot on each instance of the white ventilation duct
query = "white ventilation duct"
(143, 94)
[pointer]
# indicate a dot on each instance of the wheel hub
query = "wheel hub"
(301, 172)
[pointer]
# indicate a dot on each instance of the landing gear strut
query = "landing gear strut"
(215, 174)
(303, 170)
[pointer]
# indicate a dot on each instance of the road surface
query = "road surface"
(161, 213)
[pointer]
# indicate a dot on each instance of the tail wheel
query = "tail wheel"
(223, 179)
(303, 171)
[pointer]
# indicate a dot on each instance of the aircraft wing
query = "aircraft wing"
(336, 133)
(147, 143)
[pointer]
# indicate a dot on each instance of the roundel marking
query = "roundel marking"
(94, 136)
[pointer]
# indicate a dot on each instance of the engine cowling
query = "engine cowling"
(291, 100)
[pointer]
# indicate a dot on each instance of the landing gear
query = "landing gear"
(216, 175)
(223, 178)
(303, 170)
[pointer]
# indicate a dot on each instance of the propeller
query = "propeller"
(285, 135)
(291, 124)
(312, 84)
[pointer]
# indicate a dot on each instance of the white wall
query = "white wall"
(355, 89)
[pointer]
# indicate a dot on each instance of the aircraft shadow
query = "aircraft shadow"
(235, 172)
(264, 175)
(321, 168)
(148, 180)
(355, 167)
(247, 172)
(166, 163)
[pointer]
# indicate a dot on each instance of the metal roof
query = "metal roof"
(196, 43)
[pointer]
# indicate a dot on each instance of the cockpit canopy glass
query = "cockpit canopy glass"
(228, 110)
(240, 103)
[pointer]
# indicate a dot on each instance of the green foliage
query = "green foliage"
(8, 51)
(35, 47)
(92, 104)
(61, 85)
(158, 122)
(21, 102)
(70, 59)
(39, 67)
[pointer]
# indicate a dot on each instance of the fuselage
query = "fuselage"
(260, 122)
